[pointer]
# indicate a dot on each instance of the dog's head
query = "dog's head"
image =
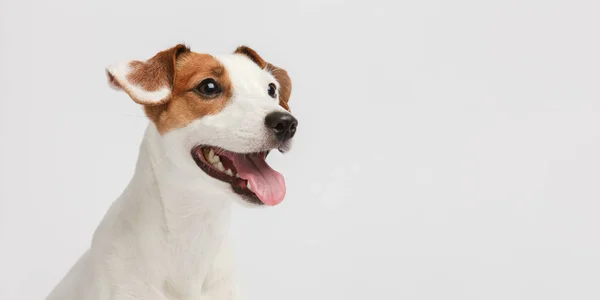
(220, 114)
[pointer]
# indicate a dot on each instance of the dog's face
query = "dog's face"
(218, 116)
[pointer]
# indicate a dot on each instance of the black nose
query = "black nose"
(283, 125)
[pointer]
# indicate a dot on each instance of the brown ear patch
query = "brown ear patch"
(252, 55)
(157, 72)
(186, 104)
(285, 84)
(148, 82)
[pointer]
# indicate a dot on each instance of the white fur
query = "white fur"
(165, 236)
(120, 72)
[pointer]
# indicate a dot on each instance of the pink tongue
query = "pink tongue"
(266, 183)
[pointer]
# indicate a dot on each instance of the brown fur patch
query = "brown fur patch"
(252, 55)
(285, 84)
(156, 72)
(187, 105)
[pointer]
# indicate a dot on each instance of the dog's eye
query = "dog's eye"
(208, 88)
(272, 90)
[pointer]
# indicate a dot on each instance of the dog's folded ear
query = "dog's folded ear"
(280, 74)
(147, 82)
(252, 55)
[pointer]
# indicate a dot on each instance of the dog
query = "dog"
(213, 119)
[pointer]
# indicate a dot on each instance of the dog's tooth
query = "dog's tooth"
(237, 175)
(220, 167)
(211, 155)
(215, 159)
(229, 172)
(248, 185)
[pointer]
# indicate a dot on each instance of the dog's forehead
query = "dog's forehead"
(244, 73)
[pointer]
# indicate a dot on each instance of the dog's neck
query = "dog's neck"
(171, 221)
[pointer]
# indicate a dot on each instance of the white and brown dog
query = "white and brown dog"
(213, 120)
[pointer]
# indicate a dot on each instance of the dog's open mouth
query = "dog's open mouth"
(248, 173)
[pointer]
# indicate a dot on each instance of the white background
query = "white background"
(446, 149)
